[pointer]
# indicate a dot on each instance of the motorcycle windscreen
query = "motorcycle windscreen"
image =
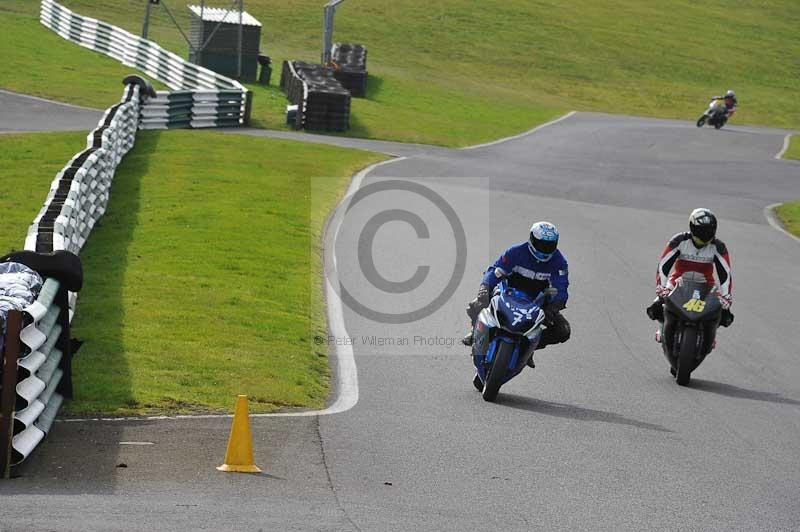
(694, 301)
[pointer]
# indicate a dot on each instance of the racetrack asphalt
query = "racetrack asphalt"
(21, 113)
(597, 437)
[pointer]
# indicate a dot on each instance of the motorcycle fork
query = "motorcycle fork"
(700, 342)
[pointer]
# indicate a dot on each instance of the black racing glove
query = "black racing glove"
(480, 302)
(727, 318)
(656, 310)
(551, 311)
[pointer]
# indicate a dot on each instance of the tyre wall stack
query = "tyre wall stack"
(323, 104)
(351, 67)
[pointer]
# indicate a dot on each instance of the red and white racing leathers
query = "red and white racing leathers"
(681, 256)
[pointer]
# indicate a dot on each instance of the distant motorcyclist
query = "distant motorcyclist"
(697, 250)
(730, 102)
(539, 261)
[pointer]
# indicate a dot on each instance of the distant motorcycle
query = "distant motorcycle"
(716, 115)
(696, 309)
(506, 334)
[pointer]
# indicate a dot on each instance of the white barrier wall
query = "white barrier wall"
(79, 194)
(217, 101)
(77, 199)
(38, 373)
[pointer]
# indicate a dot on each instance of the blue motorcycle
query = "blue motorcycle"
(505, 335)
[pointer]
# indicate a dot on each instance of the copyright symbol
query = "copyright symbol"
(319, 340)
(366, 259)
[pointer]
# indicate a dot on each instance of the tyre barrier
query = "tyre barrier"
(36, 349)
(350, 68)
(193, 109)
(79, 194)
(322, 103)
(215, 93)
(36, 372)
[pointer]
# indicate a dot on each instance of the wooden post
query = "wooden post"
(248, 108)
(8, 397)
(64, 343)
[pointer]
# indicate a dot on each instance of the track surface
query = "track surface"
(20, 113)
(597, 437)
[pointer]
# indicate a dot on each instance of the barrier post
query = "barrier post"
(248, 107)
(8, 396)
(64, 343)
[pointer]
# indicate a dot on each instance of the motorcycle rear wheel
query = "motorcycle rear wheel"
(686, 356)
(701, 121)
(718, 125)
(497, 372)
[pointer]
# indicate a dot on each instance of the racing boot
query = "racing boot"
(467, 340)
(476, 382)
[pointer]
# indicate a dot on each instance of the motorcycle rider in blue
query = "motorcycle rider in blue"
(542, 265)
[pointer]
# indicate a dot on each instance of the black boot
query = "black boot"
(467, 340)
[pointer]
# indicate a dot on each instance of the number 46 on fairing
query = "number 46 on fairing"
(695, 305)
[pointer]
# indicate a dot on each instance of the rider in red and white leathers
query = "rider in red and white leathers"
(697, 250)
(682, 255)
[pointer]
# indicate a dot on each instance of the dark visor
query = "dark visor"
(545, 246)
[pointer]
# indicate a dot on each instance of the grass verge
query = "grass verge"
(203, 278)
(43, 65)
(789, 214)
(793, 152)
(459, 72)
(29, 164)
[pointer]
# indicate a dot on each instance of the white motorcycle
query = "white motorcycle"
(716, 115)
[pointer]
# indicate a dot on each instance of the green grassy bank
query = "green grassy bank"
(789, 213)
(793, 152)
(458, 72)
(203, 278)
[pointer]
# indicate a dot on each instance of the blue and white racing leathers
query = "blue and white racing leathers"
(519, 259)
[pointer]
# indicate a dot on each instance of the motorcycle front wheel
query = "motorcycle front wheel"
(497, 372)
(701, 121)
(686, 356)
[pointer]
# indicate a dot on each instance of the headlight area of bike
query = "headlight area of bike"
(504, 322)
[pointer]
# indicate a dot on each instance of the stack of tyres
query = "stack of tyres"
(351, 67)
(327, 104)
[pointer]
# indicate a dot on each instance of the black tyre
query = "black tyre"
(686, 356)
(718, 125)
(497, 372)
(701, 121)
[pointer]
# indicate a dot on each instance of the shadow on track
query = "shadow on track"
(730, 390)
(572, 412)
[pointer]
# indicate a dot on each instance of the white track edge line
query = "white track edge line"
(521, 135)
(346, 370)
(785, 147)
(45, 100)
(769, 214)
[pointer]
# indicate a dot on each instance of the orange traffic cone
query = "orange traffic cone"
(239, 455)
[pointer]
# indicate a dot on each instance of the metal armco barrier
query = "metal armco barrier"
(214, 105)
(296, 90)
(37, 373)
